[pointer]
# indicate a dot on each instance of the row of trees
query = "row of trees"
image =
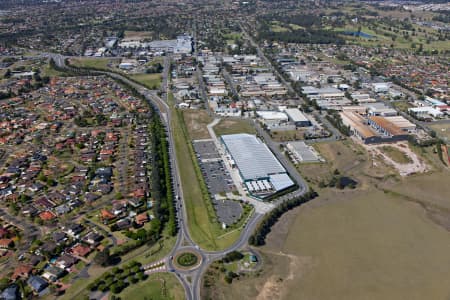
(336, 120)
(259, 236)
(161, 176)
(119, 278)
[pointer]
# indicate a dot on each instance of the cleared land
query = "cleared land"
(196, 122)
(232, 126)
(396, 155)
(136, 35)
(159, 286)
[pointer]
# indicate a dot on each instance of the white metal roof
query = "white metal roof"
(296, 115)
(271, 115)
(252, 156)
(280, 181)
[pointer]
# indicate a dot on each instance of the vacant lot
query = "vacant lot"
(396, 155)
(95, 63)
(349, 159)
(442, 131)
(367, 247)
(151, 81)
(196, 122)
(232, 126)
(136, 35)
(159, 286)
(287, 135)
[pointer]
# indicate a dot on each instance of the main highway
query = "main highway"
(191, 279)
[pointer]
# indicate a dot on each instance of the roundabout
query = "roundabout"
(187, 260)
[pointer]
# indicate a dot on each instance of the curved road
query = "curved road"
(184, 241)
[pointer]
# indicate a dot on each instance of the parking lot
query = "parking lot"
(218, 181)
(213, 169)
(228, 211)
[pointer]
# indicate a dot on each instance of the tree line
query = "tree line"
(258, 238)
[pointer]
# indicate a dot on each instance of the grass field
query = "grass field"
(95, 63)
(382, 37)
(159, 286)
(368, 247)
(232, 126)
(351, 245)
(196, 122)
(136, 35)
(151, 81)
(144, 255)
(50, 72)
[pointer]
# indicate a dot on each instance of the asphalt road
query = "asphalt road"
(184, 241)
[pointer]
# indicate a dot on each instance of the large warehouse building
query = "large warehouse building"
(297, 117)
(262, 174)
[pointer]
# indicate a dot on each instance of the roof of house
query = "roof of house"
(22, 271)
(47, 215)
(5, 242)
(37, 283)
(81, 250)
(10, 293)
(106, 214)
(141, 218)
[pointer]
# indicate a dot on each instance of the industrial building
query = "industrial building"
(297, 117)
(379, 109)
(358, 127)
(325, 93)
(262, 174)
(389, 127)
(376, 129)
(277, 116)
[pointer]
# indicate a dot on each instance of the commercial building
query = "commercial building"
(297, 117)
(425, 111)
(262, 174)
